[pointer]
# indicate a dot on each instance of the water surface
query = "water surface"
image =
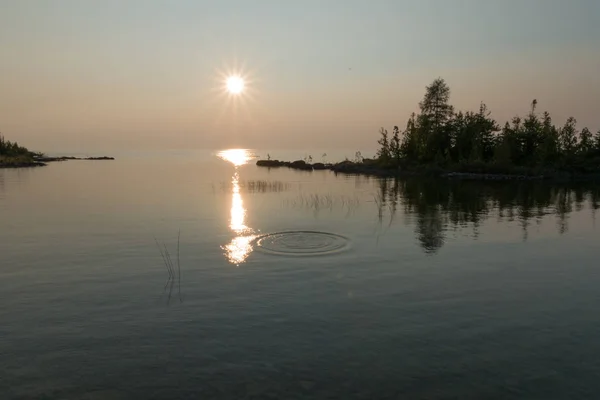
(293, 284)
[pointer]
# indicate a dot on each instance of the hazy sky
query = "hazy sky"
(142, 74)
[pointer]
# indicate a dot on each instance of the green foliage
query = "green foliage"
(586, 144)
(440, 137)
(548, 152)
(409, 148)
(473, 136)
(13, 155)
(530, 137)
(435, 107)
(395, 146)
(12, 149)
(384, 154)
(358, 157)
(568, 138)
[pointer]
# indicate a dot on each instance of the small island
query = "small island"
(438, 141)
(12, 155)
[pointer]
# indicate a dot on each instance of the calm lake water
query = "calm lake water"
(292, 284)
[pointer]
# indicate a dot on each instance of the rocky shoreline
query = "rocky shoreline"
(63, 158)
(299, 164)
(370, 168)
(20, 162)
(347, 167)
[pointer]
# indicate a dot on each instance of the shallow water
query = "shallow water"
(292, 284)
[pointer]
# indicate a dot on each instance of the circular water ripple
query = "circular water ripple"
(302, 243)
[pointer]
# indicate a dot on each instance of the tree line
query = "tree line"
(473, 140)
(12, 149)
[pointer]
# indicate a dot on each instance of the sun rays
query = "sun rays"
(237, 84)
(233, 97)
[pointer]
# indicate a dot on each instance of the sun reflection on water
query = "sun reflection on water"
(237, 157)
(238, 212)
(240, 246)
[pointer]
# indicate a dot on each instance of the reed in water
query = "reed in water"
(173, 274)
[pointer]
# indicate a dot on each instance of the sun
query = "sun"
(234, 84)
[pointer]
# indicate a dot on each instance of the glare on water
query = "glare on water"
(237, 157)
(241, 245)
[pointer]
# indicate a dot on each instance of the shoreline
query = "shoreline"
(31, 162)
(65, 158)
(369, 168)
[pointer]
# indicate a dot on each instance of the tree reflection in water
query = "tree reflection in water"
(442, 205)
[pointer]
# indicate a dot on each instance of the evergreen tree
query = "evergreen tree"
(435, 106)
(12, 149)
(435, 113)
(530, 136)
(549, 147)
(568, 138)
(586, 142)
(487, 128)
(510, 140)
(459, 140)
(384, 150)
(409, 147)
(395, 146)
(438, 135)
(503, 153)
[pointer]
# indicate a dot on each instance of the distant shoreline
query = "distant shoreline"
(41, 161)
(370, 167)
(65, 158)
